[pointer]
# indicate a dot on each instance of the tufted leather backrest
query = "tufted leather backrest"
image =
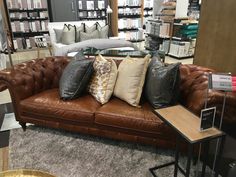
(35, 76)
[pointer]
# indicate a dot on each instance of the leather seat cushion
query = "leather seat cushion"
(49, 104)
(117, 113)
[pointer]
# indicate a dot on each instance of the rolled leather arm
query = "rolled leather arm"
(29, 78)
(193, 90)
(2, 87)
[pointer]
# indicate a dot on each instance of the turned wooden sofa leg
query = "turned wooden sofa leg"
(23, 125)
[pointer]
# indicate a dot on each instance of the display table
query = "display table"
(25, 173)
(120, 54)
(187, 126)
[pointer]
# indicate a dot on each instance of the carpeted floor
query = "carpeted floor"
(74, 155)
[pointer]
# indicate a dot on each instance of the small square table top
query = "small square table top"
(186, 123)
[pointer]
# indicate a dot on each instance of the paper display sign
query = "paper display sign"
(207, 118)
(220, 82)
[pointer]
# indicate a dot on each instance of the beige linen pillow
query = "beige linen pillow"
(68, 34)
(78, 30)
(103, 81)
(130, 79)
(87, 36)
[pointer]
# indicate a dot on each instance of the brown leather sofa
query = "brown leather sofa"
(33, 87)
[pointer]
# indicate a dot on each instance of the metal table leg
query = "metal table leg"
(219, 155)
(190, 154)
(205, 155)
(176, 156)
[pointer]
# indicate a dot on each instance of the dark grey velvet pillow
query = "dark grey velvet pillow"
(75, 77)
(162, 83)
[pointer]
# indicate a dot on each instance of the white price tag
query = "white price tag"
(221, 82)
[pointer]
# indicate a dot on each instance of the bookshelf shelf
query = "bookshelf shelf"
(19, 34)
(148, 8)
(27, 10)
(92, 18)
(91, 10)
(155, 36)
(130, 7)
(128, 29)
(147, 16)
(129, 16)
(28, 19)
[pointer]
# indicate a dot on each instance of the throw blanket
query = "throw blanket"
(95, 43)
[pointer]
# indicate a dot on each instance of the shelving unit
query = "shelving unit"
(91, 10)
(166, 31)
(147, 10)
(183, 39)
(27, 19)
(159, 29)
(127, 19)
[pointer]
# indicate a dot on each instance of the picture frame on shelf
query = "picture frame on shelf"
(101, 4)
(80, 4)
(90, 5)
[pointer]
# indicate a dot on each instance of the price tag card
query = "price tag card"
(207, 118)
(234, 83)
(221, 82)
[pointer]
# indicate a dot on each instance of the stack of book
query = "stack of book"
(194, 9)
(158, 28)
(132, 35)
(26, 4)
(24, 43)
(129, 23)
(129, 2)
(167, 12)
(27, 18)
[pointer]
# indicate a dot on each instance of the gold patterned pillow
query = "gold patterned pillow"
(103, 80)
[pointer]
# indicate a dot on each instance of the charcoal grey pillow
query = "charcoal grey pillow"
(58, 33)
(75, 77)
(103, 31)
(78, 30)
(162, 83)
(87, 36)
(68, 34)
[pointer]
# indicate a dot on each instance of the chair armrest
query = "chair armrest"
(193, 89)
(29, 78)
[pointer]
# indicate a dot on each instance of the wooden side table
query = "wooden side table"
(187, 125)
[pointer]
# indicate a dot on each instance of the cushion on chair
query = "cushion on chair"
(78, 30)
(103, 31)
(130, 80)
(48, 104)
(75, 77)
(117, 113)
(162, 83)
(103, 80)
(91, 28)
(87, 36)
(58, 33)
(68, 34)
